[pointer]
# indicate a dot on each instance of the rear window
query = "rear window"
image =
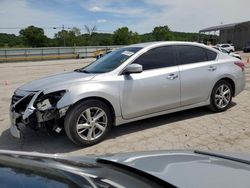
(191, 54)
(211, 55)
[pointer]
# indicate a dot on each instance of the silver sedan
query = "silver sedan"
(132, 83)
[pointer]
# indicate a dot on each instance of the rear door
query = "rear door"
(197, 66)
(156, 89)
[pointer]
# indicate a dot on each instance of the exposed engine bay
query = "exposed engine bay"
(37, 110)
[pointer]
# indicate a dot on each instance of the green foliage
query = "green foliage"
(121, 36)
(10, 40)
(134, 38)
(147, 37)
(101, 39)
(33, 36)
(124, 36)
(67, 38)
(161, 33)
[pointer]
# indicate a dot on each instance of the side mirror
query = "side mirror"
(133, 68)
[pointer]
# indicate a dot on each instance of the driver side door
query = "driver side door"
(154, 90)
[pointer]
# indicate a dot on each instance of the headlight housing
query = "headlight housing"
(49, 101)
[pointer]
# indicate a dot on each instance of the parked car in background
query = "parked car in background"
(246, 49)
(233, 54)
(132, 83)
(227, 47)
(156, 169)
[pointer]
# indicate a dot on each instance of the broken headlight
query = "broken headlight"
(49, 101)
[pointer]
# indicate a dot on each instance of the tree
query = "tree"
(90, 30)
(76, 31)
(71, 37)
(101, 39)
(10, 40)
(134, 37)
(60, 38)
(33, 36)
(123, 36)
(161, 33)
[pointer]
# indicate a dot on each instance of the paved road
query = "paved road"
(190, 129)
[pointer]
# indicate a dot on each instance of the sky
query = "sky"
(107, 15)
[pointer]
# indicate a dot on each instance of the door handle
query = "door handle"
(211, 68)
(172, 76)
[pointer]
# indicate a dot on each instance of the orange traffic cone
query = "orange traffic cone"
(6, 82)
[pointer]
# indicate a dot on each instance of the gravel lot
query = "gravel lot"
(190, 129)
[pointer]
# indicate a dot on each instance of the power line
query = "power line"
(11, 28)
(56, 27)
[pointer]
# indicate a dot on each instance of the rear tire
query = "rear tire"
(221, 96)
(88, 122)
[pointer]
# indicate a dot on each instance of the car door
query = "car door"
(156, 89)
(196, 65)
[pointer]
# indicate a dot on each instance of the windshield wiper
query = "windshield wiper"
(232, 158)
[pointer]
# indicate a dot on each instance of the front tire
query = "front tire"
(221, 96)
(88, 122)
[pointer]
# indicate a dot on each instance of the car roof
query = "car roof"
(149, 44)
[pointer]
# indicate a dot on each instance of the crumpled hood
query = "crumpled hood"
(56, 80)
(188, 169)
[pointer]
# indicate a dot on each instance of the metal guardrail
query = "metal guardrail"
(28, 54)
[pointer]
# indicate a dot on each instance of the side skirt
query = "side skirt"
(120, 120)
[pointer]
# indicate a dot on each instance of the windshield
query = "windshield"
(110, 61)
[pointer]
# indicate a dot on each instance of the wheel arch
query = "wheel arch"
(105, 101)
(231, 82)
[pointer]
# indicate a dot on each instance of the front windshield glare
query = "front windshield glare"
(111, 61)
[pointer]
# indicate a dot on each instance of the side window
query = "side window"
(191, 54)
(157, 58)
(211, 55)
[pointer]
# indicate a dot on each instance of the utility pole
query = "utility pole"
(64, 42)
(63, 33)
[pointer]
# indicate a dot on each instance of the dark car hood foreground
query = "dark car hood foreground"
(56, 80)
(180, 168)
(190, 169)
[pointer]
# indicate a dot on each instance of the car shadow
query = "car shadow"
(160, 120)
(43, 142)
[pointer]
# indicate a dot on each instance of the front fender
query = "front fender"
(105, 91)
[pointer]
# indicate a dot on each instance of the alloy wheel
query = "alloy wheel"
(92, 123)
(222, 96)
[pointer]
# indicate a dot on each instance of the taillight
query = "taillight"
(241, 65)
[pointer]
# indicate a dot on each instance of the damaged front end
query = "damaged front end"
(36, 110)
